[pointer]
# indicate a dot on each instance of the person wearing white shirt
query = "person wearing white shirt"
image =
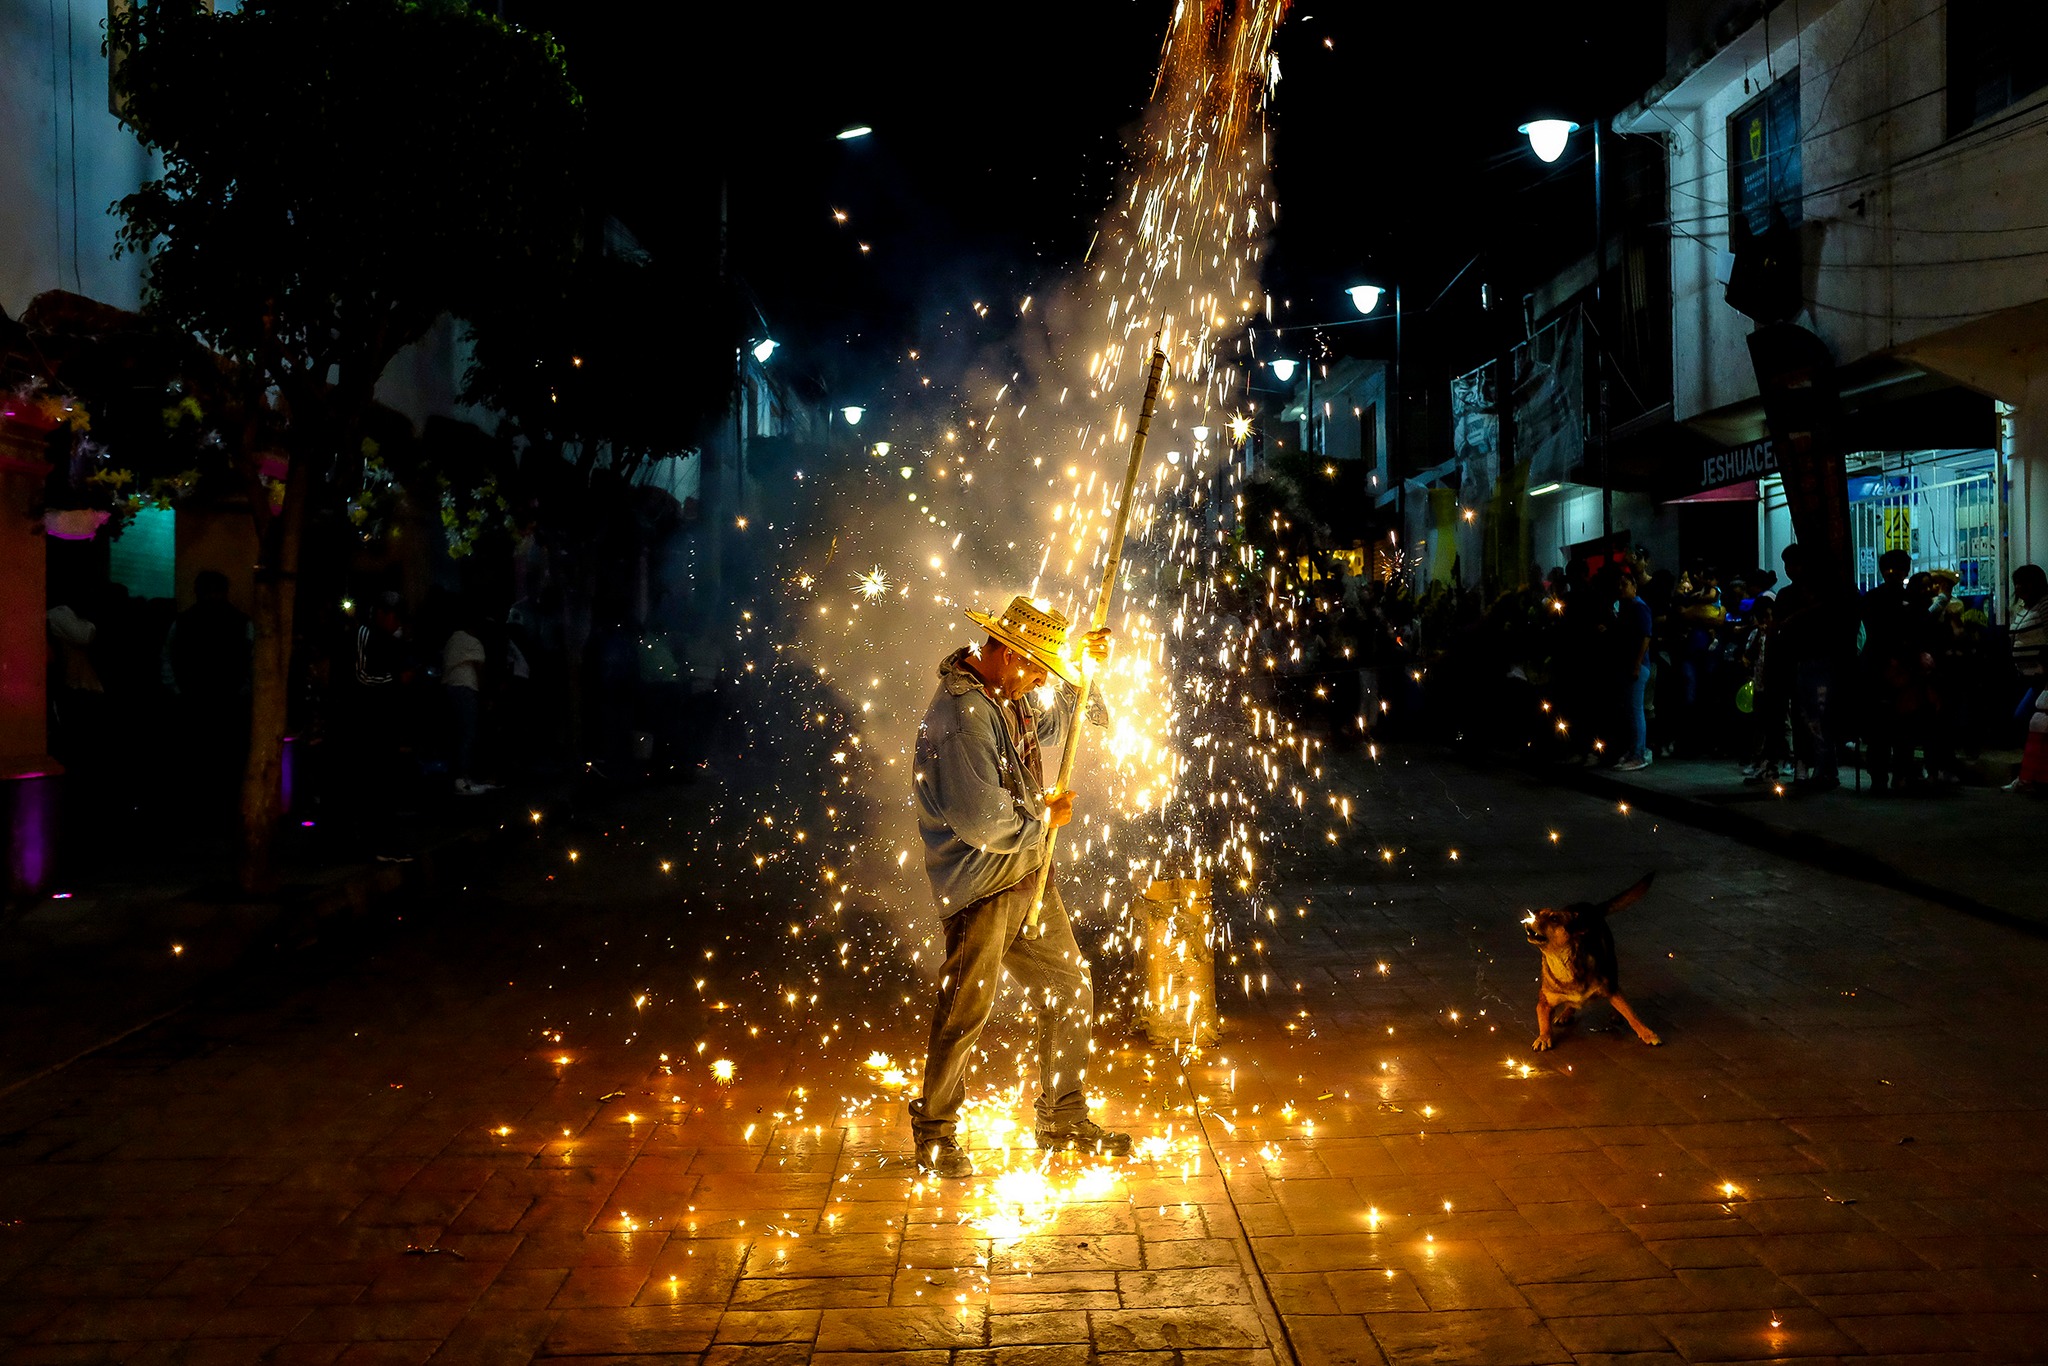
(462, 661)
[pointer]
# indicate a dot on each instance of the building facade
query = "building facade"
(1888, 160)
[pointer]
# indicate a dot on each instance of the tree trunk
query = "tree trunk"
(277, 586)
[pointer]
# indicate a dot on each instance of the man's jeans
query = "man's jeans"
(1633, 690)
(984, 939)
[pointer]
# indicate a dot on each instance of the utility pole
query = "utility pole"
(1600, 344)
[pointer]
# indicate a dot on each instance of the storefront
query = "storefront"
(1944, 507)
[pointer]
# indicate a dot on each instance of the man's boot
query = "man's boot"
(1085, 1135)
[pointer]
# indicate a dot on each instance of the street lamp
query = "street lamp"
(1366, 298)
(1547, 137)
(853, 131)
(765, 348)
(853, 413)
(1283, 370)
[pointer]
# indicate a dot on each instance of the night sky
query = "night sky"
(999, 134)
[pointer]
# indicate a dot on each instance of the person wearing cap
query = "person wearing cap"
(985, 816)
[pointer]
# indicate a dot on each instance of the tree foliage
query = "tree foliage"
(337, 174)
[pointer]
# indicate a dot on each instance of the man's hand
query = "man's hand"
(1095, 646)
(1059, 808)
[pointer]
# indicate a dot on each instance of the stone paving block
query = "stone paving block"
(1567, 1299)
(1040, 1354)
(1550, 1218)
(485, 1339)
(1302, 1293)
(1607, 1333)
(589, 1332)
(756, 1354)
(1166, 1223)
(1462, 1276)
(1749, 1335)
(829, 1292)
(1385, 1290)
(1333, 1252)
(1040, 1252)
(1735, 1287)
(938, 1285)
(900, 1329)
(773, 1325)
(1189, 1252)
(591, 1287)
(523, 1288)
(1475, 1337)
(1850, 1251)
(938, 1357)
(1332, 1340)
(1051, 1326)
(843, 1254)
(387, 1353)
(266, 1322)
(1580, 1257)
(380, 1322)
(1139, 1330)
(1193, 1285)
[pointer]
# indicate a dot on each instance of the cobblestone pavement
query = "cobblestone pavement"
(489, 1134)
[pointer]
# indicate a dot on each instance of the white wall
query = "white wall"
(1909, 233)
(1918, 246)
(63, 158)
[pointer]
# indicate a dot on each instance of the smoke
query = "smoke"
(1001, 476)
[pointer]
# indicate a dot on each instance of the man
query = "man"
(1633, 627)
(1807, 640)
(462, 665)
(985, 816)
(1892, 666)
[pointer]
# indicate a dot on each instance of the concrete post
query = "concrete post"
(29, 777)
(2026, 514)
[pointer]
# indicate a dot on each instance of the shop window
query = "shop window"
(1764, 182)
(1997, 56)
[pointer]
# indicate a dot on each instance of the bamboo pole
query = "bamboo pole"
(1101, 614)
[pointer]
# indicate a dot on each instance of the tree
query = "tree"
(338, 174)
(632, 359)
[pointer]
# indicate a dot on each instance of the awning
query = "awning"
(1743, 492)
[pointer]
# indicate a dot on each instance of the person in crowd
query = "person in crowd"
(383, 672)
(1892, 671)
(77, 695)
(1631, 643)
(2030, 659)
(1770, 709)
(462, 665)
(206, 661)
(1807, 641)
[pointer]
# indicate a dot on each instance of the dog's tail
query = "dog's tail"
(1621, 901)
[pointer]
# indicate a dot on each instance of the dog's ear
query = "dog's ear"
(1621, 901)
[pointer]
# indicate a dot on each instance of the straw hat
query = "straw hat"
(1029, 629)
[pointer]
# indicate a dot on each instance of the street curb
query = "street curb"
(1815, 850)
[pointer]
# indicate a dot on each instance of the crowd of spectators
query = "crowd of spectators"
(1627, 662)
(392, 710)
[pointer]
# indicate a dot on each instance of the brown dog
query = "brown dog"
(1579, 965)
